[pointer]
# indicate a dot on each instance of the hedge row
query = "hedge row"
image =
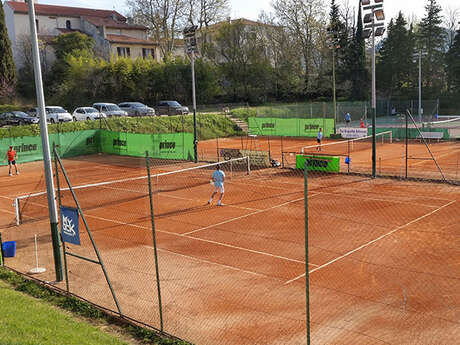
(208, 126)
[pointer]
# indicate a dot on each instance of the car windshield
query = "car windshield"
(137, 105)
(174, 104)
(20, 114)
(112, 107)
(55, 110)
(90, 110)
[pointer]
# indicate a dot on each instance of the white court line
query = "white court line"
(371, 242)
(201, 240)
(244, 216)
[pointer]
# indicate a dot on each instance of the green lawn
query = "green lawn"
(25, 320)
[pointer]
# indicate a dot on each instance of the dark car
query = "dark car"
(13, 118)
(170, 108)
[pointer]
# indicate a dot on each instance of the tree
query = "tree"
(453, 64)
(395, 62)
(304, 19)
(7, 67)
(165, 20)
(74, 43)
(206, 12)
(432, 39)
(338, 39)
(356, 64)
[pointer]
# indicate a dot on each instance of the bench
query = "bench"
(431, 135)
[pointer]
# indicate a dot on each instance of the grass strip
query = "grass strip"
(66, 302)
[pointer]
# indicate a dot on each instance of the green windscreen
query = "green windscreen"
(295, 127)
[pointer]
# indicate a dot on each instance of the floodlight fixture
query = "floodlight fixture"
(365, 2)
(378, 1)
(379, 31)
(379, 14)
(368, 18)
(367, 33)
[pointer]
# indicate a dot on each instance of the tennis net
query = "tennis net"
(347, 147)
(33, 207)
(443, 122)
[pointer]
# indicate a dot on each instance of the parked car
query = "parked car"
(171, 108)
(110, 109)
(136, 109)
(53, 114)
(87, 113)
(13, 118)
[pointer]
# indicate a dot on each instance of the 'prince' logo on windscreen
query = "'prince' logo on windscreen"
(268, 125)
(167, 145)
(118, 142)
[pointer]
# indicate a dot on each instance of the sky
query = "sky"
(250, 9)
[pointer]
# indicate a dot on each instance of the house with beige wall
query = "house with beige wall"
(112, 33)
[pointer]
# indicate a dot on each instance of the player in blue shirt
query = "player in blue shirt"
(347, 119)
(319, 137)
(218, 178)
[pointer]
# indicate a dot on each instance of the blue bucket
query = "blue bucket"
(9, 249)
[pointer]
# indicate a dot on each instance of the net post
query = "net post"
(307, 273)
(18, 216)
(155, 250)
(249, 164)
(231, 169)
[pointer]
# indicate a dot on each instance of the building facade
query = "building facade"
(113, 35)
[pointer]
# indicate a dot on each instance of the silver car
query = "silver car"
(109, 109)
(53, 114)
(136, 109)
(87, 113)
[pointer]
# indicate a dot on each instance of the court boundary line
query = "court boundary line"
(200, 239)
(245, 216)
(371, 242)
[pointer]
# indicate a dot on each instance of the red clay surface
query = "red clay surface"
(383, 254)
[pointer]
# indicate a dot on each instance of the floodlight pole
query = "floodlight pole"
(333, 89)
(420, 86)
(374, 104)
(195, 140)
(53, 215)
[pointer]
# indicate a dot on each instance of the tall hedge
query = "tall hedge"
(7, 67)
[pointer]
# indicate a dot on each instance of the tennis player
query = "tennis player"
(218, 178)
(11, 156)
(319, 137)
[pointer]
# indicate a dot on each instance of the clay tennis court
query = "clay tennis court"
(383, 254)
(390, 157)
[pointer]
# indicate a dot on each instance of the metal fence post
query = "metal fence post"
(307, 273)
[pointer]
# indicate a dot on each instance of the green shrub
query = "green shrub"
(244, 113)
(9, 107)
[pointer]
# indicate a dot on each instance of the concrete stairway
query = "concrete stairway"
(240, 123)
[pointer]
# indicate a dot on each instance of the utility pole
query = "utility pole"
(53, 215)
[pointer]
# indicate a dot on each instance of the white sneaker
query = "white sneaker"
(17, 172)
(10, 174)
(220, 204)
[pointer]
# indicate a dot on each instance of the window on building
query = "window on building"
(36, 25)
(68, 25)
(123, 51)
(148, 53)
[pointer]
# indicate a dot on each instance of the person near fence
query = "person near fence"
(319, 137)
(218, 178)
(362, 124)
(11, 156)
(348, 119)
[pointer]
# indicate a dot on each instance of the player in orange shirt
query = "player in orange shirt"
(11, 156)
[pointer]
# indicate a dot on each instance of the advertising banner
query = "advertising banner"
(294, 127)
(352, 133)
(318, 163)
(69, 225)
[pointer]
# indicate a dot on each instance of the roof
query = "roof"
(110, 23)
(52, 10)
(128, 40)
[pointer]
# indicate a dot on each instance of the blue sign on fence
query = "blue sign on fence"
(69, 225)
